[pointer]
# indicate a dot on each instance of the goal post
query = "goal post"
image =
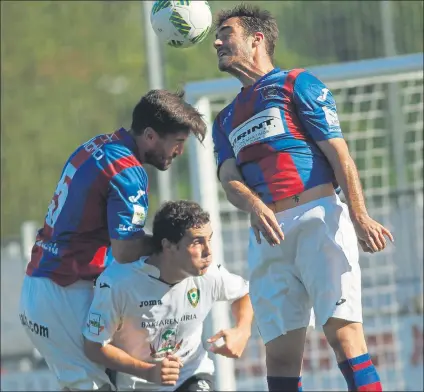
(207, 195)
(380, 106)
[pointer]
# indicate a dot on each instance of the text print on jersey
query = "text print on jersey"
(60, 195)
(152, 302)
(260, 127)
(94, 146)
(36, 328)
(91, 148)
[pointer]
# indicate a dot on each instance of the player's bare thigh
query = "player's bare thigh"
(346, 338)
(284, 354)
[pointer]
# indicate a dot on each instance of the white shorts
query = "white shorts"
(315, 267)
(54, 317)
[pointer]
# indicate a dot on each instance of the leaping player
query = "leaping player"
(147, 317)
(280, 154)
(100, 200)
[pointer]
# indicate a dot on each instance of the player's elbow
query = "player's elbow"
(131, 250)
(228, 188)
(92, 350)
(231, 195)
(125, 256)
(231, 187)
(233, 190)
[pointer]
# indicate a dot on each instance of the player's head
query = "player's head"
(244, 36)
(161, 122)
(182, 233)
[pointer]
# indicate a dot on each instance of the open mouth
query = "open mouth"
(204, 269)
(207, 265)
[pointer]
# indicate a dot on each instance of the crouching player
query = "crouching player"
(147, 317)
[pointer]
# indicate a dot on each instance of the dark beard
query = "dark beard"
(225, 66)
(153, 159)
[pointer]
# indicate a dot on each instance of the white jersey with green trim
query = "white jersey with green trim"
(147, 318)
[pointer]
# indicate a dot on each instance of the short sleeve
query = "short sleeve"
(105, 314)
(222, 146)
(316, 107)
(229, 287)
(127, 204)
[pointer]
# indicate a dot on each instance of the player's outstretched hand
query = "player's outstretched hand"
(166, 372)
(371, 234)
(235, 340)
(263, 220)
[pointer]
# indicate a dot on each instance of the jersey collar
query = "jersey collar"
(272, 72)
(128, 141)
(152, 271)
(149, 269)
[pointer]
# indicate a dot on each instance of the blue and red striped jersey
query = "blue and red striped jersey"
(102, 194)
(271, 129)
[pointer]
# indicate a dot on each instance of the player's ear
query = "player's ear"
(150, 134)
(258, 39)
(166, 244)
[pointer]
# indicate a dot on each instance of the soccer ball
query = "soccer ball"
(181, 23)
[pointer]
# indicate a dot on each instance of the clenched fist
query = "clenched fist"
(167, 371)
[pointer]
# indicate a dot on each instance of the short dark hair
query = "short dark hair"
(174, 218)
(167, 113)
(252, 19)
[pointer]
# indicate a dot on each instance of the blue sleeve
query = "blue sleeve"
(222, 146)
(127, 204)
(316, 107)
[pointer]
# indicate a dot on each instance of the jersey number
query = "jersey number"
(60, 195)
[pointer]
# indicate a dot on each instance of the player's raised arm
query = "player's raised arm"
(238, 194)
(318, 113)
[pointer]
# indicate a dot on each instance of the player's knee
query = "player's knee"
(346, 338)
(283, 365)
(284, 354)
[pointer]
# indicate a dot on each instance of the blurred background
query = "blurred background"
(73, 69)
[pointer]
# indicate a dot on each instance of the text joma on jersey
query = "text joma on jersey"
(152, 302)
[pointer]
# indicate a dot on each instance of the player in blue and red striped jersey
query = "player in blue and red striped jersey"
(101, 200)
(281, 154)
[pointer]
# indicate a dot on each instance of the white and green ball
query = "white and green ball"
(181, 24)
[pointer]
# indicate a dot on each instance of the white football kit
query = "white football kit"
(314, 274)
(147, 318)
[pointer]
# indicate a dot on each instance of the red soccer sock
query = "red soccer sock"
(360, 374)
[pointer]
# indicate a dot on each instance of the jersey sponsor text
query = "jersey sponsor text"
(260, 127)
(34, 327)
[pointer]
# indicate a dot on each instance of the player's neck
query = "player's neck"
(249, 74)
(167, 272)
(140, 150)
